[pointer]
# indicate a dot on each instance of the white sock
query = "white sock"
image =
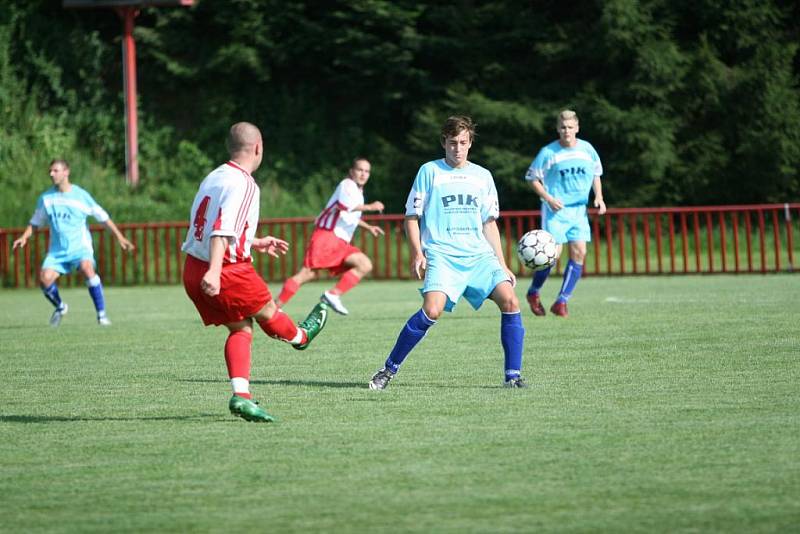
(240, 385)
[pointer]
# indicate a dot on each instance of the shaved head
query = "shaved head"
(242, 137)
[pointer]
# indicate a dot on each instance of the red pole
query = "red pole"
(128, 14)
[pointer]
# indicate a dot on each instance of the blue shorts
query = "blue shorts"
(65, 263)
(473, 277)
(568, 224)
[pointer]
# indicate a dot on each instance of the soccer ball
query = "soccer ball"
(537, 250)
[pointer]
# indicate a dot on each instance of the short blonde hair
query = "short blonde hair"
(567, 115)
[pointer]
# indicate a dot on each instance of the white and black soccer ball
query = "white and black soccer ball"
(537, 250)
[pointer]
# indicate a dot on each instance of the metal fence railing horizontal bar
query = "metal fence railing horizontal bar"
(625, 241)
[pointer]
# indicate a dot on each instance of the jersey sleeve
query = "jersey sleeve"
(349, 196)
(417, 197)
(539, 166)
(230, 220)
(95, 210)
(39, 217)
(598, 166)
(490, 205)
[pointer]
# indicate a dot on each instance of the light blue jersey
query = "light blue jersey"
(567, 173)
(66, 214)
(452, 206)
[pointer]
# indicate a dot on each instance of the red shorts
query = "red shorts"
(328, 251)
(242, 292)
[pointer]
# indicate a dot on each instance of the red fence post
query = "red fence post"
(787, 215)
(710, 239)
(658, 242)
(723, 248)
(762, 241)
(776, 236)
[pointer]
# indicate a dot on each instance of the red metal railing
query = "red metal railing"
(709, 239)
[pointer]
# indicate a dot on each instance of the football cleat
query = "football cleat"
(248, 410)
(516, 382)
(381, 379)
(559, 308)
(55, 319)
(313, 324)
(335, 302)
(104, 321)
(536, 304)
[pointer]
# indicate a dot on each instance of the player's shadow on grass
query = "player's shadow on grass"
(347, 385)
(27, 419)
(314, 383)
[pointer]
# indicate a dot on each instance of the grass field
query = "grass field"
(663, 404)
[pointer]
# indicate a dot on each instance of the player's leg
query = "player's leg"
(293, 283)
(412, 333)
(278, 324)
(552, 223)
(47, 282)
(95, 287)
(512, 333)
(572, 273)
(539, 278)
(358, 265)
(238, 361)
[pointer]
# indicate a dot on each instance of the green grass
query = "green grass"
(666, 404)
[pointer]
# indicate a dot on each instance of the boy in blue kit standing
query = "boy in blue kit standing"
(455, 248)
(65, 208)
(562, 174)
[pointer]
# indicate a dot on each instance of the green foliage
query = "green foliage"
(687, 102)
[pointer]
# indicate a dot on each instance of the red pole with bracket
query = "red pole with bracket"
(128, 14)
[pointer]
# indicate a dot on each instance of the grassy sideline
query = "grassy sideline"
(663, 404)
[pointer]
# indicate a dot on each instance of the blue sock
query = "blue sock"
(539, 278)
(51, 294)
(96, 291)
(571, 276)
(415, 329)
(512, 335)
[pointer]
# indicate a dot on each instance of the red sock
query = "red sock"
(290, 287)
(237, 356)
(280, 326)
(348, 281)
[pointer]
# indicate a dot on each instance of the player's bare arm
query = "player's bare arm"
(372, 206)
(372, 229)
(271, 245)
(22, 240)
(597, 186)
(210, 283)
(554, 203)
(417, 258)
(123, 241)
(492, 234)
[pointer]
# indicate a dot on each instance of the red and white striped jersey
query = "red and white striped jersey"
(336, 215)
(226, 204)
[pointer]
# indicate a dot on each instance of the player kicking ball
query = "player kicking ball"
(455, 248)
(219, 276)
(562, 175)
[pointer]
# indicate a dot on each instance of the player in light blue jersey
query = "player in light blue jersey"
(65, 207)
(562, 174)
(455, 248)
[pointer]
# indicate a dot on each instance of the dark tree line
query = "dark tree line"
(687, 102)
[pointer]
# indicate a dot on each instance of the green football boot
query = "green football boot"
(248, 410)
(313, 324)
